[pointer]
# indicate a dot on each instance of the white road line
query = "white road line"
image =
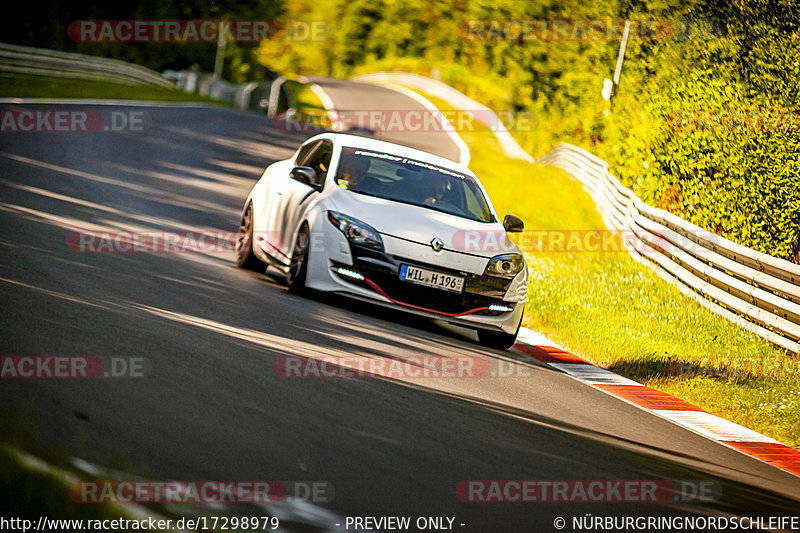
(327, 103)
(713, 426)
(534, 338)
(593, 375)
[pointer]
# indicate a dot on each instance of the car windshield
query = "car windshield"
(412, 182)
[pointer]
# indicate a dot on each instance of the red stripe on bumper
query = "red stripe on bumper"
(377, 289)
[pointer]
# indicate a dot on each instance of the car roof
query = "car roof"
(367, 143)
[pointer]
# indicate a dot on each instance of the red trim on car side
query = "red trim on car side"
(262, 239)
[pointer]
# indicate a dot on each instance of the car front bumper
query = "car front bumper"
(486, 302)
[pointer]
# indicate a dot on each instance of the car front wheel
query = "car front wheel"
(298, 266)
(498, 340)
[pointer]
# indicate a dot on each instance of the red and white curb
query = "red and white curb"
(660, 403)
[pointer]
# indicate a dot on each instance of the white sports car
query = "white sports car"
(389, 224)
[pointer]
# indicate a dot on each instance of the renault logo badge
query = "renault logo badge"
(437, 244)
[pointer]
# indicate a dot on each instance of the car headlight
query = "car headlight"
(505, 266)
(355, 231)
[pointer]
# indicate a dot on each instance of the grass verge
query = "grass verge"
(22, 86)
(616, 313)
(47, 486)
(43, 490)
(39, 485)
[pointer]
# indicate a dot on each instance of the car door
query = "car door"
(275, 203)
(298, 197)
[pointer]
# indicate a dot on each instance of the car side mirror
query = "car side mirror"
(512, 224)
(305, 175)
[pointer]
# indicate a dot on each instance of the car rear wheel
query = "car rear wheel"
(245, 258)
(298, 266)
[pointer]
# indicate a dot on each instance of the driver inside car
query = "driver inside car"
(354, 170)
(437, 189)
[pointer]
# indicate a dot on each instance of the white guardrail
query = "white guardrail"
(264, 97)
(757, 291)
(43, 62)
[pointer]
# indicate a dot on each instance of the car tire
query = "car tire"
(245, 258)
(298, 265)
(498, 339)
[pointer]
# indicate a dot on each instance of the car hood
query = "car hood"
(421, 225)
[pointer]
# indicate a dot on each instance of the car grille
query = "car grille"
(383, 270)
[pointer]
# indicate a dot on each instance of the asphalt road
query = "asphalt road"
(399, 118)
(211, 406)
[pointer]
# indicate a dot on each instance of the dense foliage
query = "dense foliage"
(715, 133)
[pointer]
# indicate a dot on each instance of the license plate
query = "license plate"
(430, 278)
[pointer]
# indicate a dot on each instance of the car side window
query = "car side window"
(305, 152)
(319, 159)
